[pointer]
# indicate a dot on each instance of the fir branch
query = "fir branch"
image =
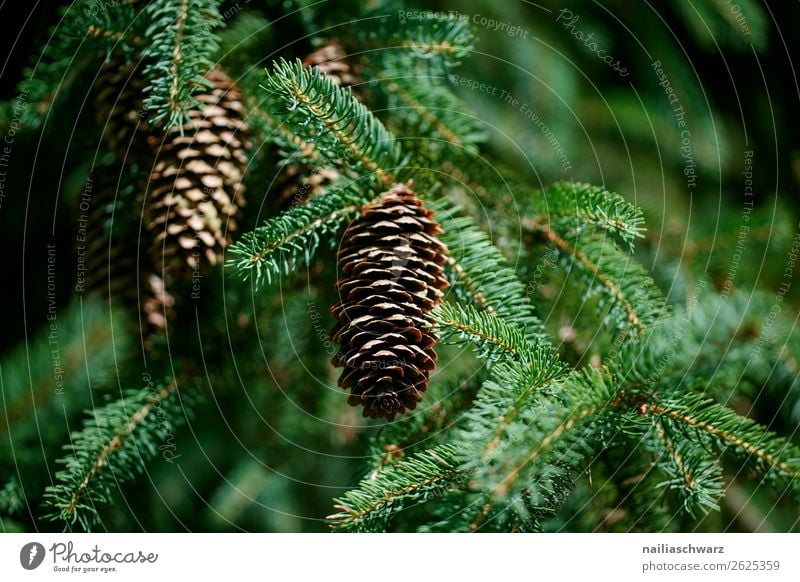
(634, 299)
(247, 35)
(262, 121)
(83, 35)
(382, 495)
(50, 376)
(479, 274)
(291, 239)
(487, 184)
(342, 128)
(569, 208)
(429, 424)
(713, 23)
(689, 471)
(507, 484)
(422, 107)
(490, 334)
(694, 475)
(538, 440)
(495, 340)
(439, 41)
(10, 526)
(112, 448)
(12, 497)
(732, 434)
(180, 53)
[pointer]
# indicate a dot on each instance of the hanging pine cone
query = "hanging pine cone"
(392, 276)
(195, 186)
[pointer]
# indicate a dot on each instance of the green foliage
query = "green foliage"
(418, 105)
(424, 476)
(479, 273)
(569, 208)
(687, 468)
(685, 392)
(777, 460)
(341, 128)
(715, 23)
(439, 41)
(493, 338)
(183, 42)
(87, 29)
(12, 497)
(290, 240)
(526, 459)
(629, 300)
(248, 34)
(112, 449)
(56, 374)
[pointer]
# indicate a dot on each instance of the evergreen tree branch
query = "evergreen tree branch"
(732, 433)
(494, 339)
(262, 121)
(83, 35)
(439, 41)
(179, 54)
(542, 439)
(341, 127)
(595, 271)
(617, 275)
(291, 239)
(548, 441)
(479, 274)
(696, 477)
(429, 424)
(570, 208)
(421, 106)
(112, 448)
(488, 333)
(49, 377)
(12, 497)
(423, 476)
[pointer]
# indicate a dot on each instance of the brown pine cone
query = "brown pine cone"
(196, 183)
(392, 276)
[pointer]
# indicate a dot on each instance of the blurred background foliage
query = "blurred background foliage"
(558, 111)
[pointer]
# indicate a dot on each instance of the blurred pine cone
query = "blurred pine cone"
(196, 183)
(332, 60)
(120, 111)
(108, 251)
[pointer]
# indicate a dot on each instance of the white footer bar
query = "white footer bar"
(389, 558)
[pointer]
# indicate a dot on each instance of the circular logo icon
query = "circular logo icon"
(31, 555)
